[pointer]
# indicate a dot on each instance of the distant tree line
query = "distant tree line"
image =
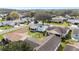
(43, 14)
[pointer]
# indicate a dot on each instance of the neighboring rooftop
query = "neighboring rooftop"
(72, 47)
(73, 20)
(58, 30)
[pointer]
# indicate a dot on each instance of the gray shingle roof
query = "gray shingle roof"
(0, 24)
(59, 30)
(73, 20)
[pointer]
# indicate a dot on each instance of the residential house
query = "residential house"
(73, 21)
(60, 31)
(75, 34)
(73, 27)
(37, 27)
(0, 17)
(10, 23)
(58, 19)
(68, 16)
(1, 24)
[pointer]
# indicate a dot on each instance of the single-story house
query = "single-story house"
(1, 24)
(61, 31)
(73, 21)
(58, 19)
(7, 23)
(0, 17)
(75, 34)
(68, 16)
(11, 24)
(38, 27)
(30, 18)
(72, 47)
(73, 27)
(51, 43)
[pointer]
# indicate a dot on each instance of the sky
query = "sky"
(25, 8)
(39, 4)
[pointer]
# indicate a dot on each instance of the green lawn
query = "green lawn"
(38, 36)
(65, 24)
(63, 44)
(1, 20)
(5, 27)
(1, 37)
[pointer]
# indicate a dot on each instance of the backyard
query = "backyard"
(1, 20)
(37, 35)
(1, 37)
(65, 24)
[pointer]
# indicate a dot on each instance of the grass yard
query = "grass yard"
(37, 35)
(1, 20)
(5, 27)
(65, 24)
(63, 44)
(1, 37)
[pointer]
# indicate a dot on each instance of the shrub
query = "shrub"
(17, 46)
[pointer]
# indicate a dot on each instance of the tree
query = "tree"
(29, 14)
(13, 15)
(43, 16)
(17, 46)
(67, 37)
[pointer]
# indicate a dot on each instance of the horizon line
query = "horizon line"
(26, 8)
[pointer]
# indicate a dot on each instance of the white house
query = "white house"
(73, 21)
(75, 34)
(38, 27)
(7, 23)
(58, 19)
(73, 27)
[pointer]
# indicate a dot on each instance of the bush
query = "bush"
(17, 46)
